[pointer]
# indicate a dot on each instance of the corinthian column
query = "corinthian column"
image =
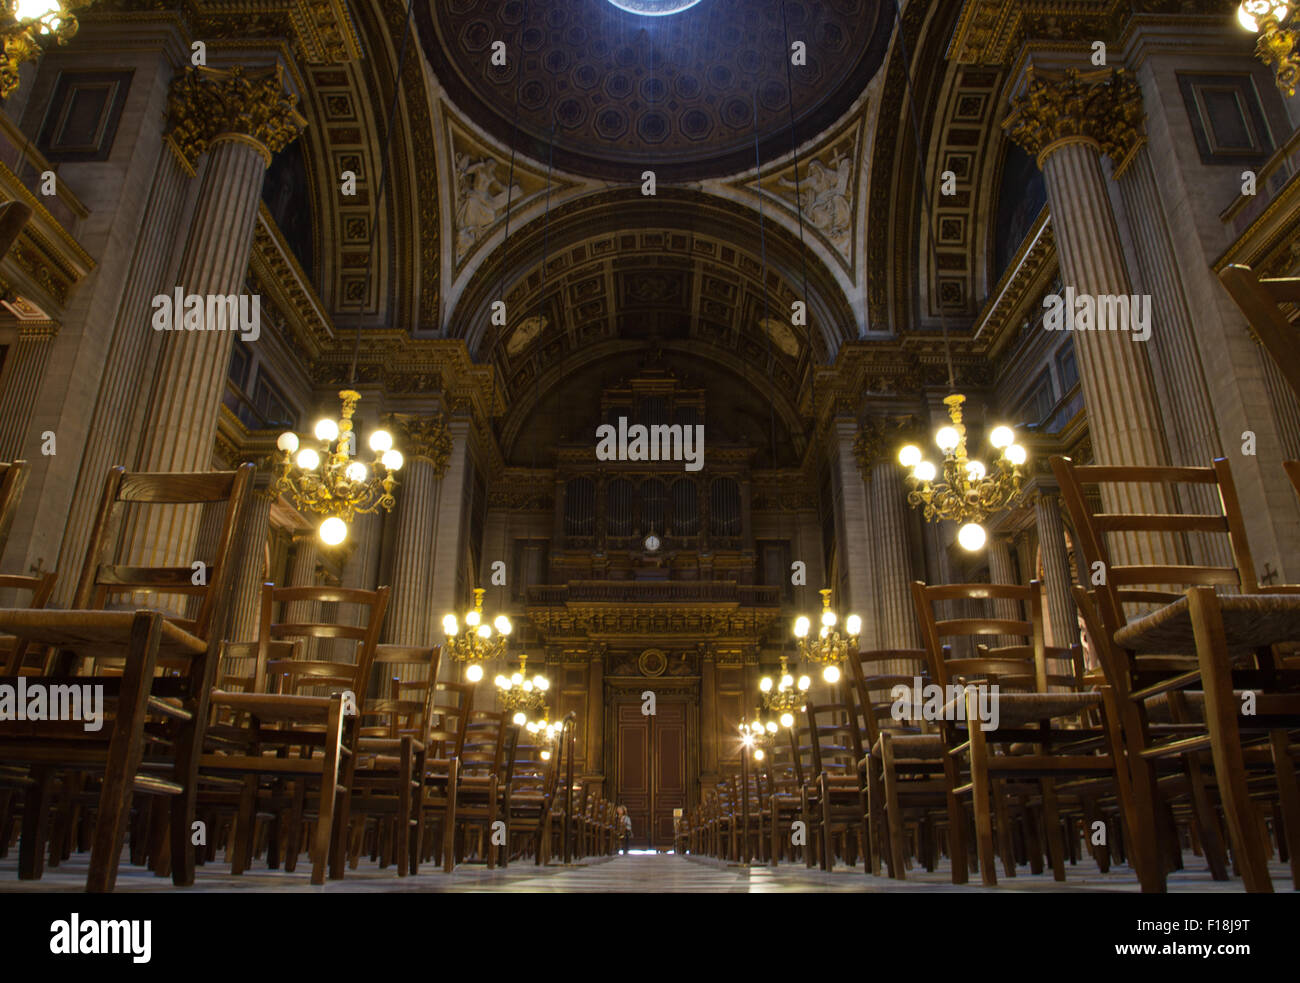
(253, 570)
(1062, 618)
(854, 534)
(24, 368)
(1003, 571)
(1069, 121)
(239, 119)
(426, 444)
(890, 550)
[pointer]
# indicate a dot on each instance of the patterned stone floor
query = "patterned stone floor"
(637, 873)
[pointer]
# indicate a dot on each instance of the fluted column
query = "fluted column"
(239, 119)
(890, 550)
(1062, 617)
(424, 441)
(1068, 121)
(23, 371)
(451, 521)
(253, 569)
(855, 593)
(1002, 570)
(127, 376)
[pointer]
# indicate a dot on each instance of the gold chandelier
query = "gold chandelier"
(1276, 45)
(783, 696)
(521, 696)
(968, 493)
(25, 24)
(757, 736)
(546, 733)
(829, 648)
(482, 640)
(330, 481)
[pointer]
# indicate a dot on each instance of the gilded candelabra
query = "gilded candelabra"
(27, 25)
(523, 697)
(1276, 46)
(758, 736)
(967, 493)
(828, 648)
(481, 641)
(783, 695)
(331, 481)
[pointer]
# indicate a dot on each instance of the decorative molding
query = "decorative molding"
(425, 438)
(1102, 108)
(206, 104)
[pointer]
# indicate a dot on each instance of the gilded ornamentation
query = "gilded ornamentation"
(23, 38)
(207, 103)
(427, 438)
(1102, 107)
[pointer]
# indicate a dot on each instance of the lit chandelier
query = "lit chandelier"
(1276, 45)
(968, 494)
(782, 696)
(757, 737)
(829, 648)
(525, 697)
(481, 642)
(330, 481)
(25, 25)
(546, 732)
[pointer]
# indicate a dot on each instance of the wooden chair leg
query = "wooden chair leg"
(981, 794)
(1225, 738)
(1052, 829)
(1289, 799)
(35, 825)
(1137, 785)
(324, 839)
(124, 752)
(957, 838)
(1003, 830)
(893, 810)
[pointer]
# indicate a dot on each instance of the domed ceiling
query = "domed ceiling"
(674, 86)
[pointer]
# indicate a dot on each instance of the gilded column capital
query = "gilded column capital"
(424, 437)
(208, 104)
(879, 439)
(1102, 108)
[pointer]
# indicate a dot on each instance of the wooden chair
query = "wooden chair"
(1259, 300)
(299, 725)
(1146, 653)
(1039, 732)
(904, 763)
(123, 651)
(449, 717)
(479, 790)
(784, 793)
(13, 479)
(835, 787)
(388, 786)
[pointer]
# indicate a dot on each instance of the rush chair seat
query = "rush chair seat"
(299, 725)
(1194, 639)
(126, 652)
(1062, 748)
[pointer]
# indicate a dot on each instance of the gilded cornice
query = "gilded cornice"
(1102, 107)
(207, 104)
(45, 251)
(1034, 263)
(276, 273)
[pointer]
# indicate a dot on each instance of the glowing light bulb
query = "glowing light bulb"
(787, 681)
(542, 683)
(449, 625)
(787, 720)
(484, 632)
(546, 755)
(533, 728)
(971, 536)
(326, 430)
(758, 754)
(472, 618)
(771, 726)
(520, 718)
(1016, 454)
(853, 625)
(474, 673)
(501, 682)
(1250, 12)
(947, 438)
(804, 683)
(831, 674)
(503, 624)
(975, 470)
(909, 456)
(288, 442)
(765, 684)
(925, 471)
(333, 531)
(829, 619)
(356, 471)
(308, 459)
(826, 630)
(801, 626)
(1002, 437)
(393, 460)
(380, 441)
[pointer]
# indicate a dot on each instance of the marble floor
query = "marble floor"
(637, 873)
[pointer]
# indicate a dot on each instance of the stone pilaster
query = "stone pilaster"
(856, 590)
(127, 378)
(1069, 121)
(302, 573)
(411, 616)
(1002, 570)
(1062, 616)
(253, 559)
(450, 525)
(23, 371)
(239, 119)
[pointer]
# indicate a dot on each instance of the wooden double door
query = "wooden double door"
(653, 764)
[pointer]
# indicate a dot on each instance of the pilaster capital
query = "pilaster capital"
(252, 106)
(1101, 108)
(878, 440)
(425, 438)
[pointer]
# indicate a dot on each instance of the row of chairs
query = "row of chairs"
(271, 749)
(1182, 737)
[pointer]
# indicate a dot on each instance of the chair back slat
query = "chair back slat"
(13, 479)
